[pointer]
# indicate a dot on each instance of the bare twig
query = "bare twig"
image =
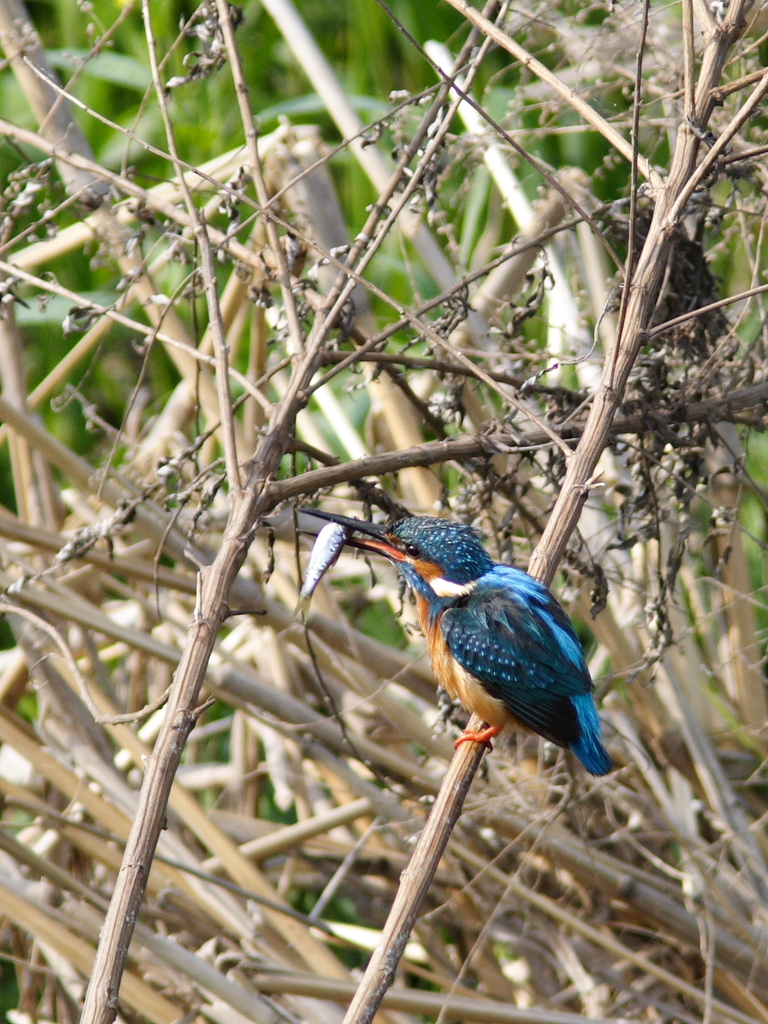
(209, 276)
(619, 362)
(414, 884)
(571, 96)
(246, 115)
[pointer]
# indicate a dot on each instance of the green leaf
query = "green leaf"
(117, 68)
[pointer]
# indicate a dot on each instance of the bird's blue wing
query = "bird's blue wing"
(512, 635)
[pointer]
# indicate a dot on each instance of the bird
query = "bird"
(499, 641)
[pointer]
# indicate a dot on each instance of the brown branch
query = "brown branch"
(477, 446)
(215, 322)
(619, 361)
(214, 584)
(415, 882)
(246, 114)
(729, 300)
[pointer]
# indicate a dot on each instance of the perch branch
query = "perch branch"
(640, 304)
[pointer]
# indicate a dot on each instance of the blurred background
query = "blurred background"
(455, 378)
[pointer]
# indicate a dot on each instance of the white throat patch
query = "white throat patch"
(444, 588)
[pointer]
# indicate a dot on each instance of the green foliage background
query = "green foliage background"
(666, 576)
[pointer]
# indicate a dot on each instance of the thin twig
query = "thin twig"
(246, 115)
(574, 491)
(559, 87)
(632, 240)
(209, 275)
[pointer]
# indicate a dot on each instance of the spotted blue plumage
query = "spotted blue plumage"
(512, 634)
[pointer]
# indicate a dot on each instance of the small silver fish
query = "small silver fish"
(326, 550)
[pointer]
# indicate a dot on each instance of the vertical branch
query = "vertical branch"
(218, 333)
(414, 883)
(689, 62)
(246, 115)
(633, 176)
(214, 584)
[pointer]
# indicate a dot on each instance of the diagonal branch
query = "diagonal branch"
(589, 114)
(620, 359)
(209, 275)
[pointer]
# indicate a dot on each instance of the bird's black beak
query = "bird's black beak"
(374, 537)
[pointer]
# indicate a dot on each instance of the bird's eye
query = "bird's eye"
(413, 550)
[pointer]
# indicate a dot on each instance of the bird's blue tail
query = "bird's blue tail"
(589, 746)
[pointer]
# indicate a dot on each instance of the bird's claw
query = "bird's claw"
(478, 736)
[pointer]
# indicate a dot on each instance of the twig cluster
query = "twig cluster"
(582, 376)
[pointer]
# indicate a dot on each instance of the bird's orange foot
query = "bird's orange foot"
(478, 736)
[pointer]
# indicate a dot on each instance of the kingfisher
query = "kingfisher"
(499, 641)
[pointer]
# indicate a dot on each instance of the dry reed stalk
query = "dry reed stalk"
(639, 896)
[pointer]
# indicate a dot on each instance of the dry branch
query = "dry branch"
(643, 288)
(404, 351)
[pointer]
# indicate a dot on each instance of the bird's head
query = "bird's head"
(445, 555)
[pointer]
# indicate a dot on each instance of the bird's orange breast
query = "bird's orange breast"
(456, 681)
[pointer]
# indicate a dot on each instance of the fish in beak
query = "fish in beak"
(372, 536)
(338, 532)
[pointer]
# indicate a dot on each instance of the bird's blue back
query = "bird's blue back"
(510, 633)
(513, 622)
